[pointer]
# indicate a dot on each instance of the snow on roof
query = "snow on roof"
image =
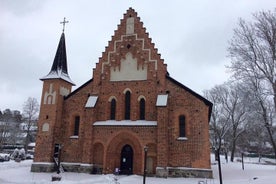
(91, 102)
(58, 75)
(32, 144)
(162, 100)
(125, 123)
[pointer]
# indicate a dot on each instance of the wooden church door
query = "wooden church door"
(126, 160)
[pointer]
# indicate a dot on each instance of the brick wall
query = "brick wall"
(50, 113)
(195, 151)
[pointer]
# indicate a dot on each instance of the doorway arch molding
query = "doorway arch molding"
(114, 148)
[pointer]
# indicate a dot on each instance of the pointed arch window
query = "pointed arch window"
(182, 126)
(76, 126)
(127, 105)
(142, 109)
(113, 109)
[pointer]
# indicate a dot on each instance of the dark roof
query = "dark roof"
(59, 67)
(78, 89)
(60, 61)
(207, 102)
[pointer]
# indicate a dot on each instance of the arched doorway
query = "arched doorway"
(126, 166)
(121, 144)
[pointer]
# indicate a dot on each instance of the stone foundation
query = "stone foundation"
(163, 172)
(68, 167)
(42, 167)
(183, 172)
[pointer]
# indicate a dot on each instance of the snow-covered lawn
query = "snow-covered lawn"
(16, 173)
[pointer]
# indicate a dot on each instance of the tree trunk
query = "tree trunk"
(267, 125)
(271, 139)
(274, 93)
(233, 149)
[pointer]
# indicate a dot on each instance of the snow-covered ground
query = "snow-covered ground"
(254, 173)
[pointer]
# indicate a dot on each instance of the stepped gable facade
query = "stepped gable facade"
(129, 109)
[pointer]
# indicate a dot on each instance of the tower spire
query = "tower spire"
(59, 67)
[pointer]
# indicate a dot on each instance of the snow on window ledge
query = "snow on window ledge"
(182, 138)
(74, 137)
(125, 123)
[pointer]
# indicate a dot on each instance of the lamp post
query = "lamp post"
(219, 166)
(221, 144)
(145, 164)
(59, 151)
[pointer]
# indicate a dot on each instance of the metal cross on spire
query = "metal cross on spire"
(64, 22)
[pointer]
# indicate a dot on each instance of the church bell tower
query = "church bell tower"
(56, 85)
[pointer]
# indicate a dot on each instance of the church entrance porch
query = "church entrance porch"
(124, 152)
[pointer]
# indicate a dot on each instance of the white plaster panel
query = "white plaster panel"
(115, 50)
(63, 91)
(45, 127)
(129, 70)
(130, 25)
(50, 96)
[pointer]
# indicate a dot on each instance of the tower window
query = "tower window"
(142, 109)
(127, 105)
(76, 126)
(113, 109)
(182, 126)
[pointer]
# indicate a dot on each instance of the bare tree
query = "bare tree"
(253, 59)
(9, 127)
(219, 122)
(3, 133)
(234, 107)
(228, 118)
(253, 50)
(5, 128)
(263, 107)
(30, 112)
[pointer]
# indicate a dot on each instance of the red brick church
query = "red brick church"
(129, 109)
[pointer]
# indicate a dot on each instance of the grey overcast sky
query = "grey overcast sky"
(191, 36)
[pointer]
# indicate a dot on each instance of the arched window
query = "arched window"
(127, 105)
(142, 109)
(182, 126)
(113, 109)
(76, 126)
